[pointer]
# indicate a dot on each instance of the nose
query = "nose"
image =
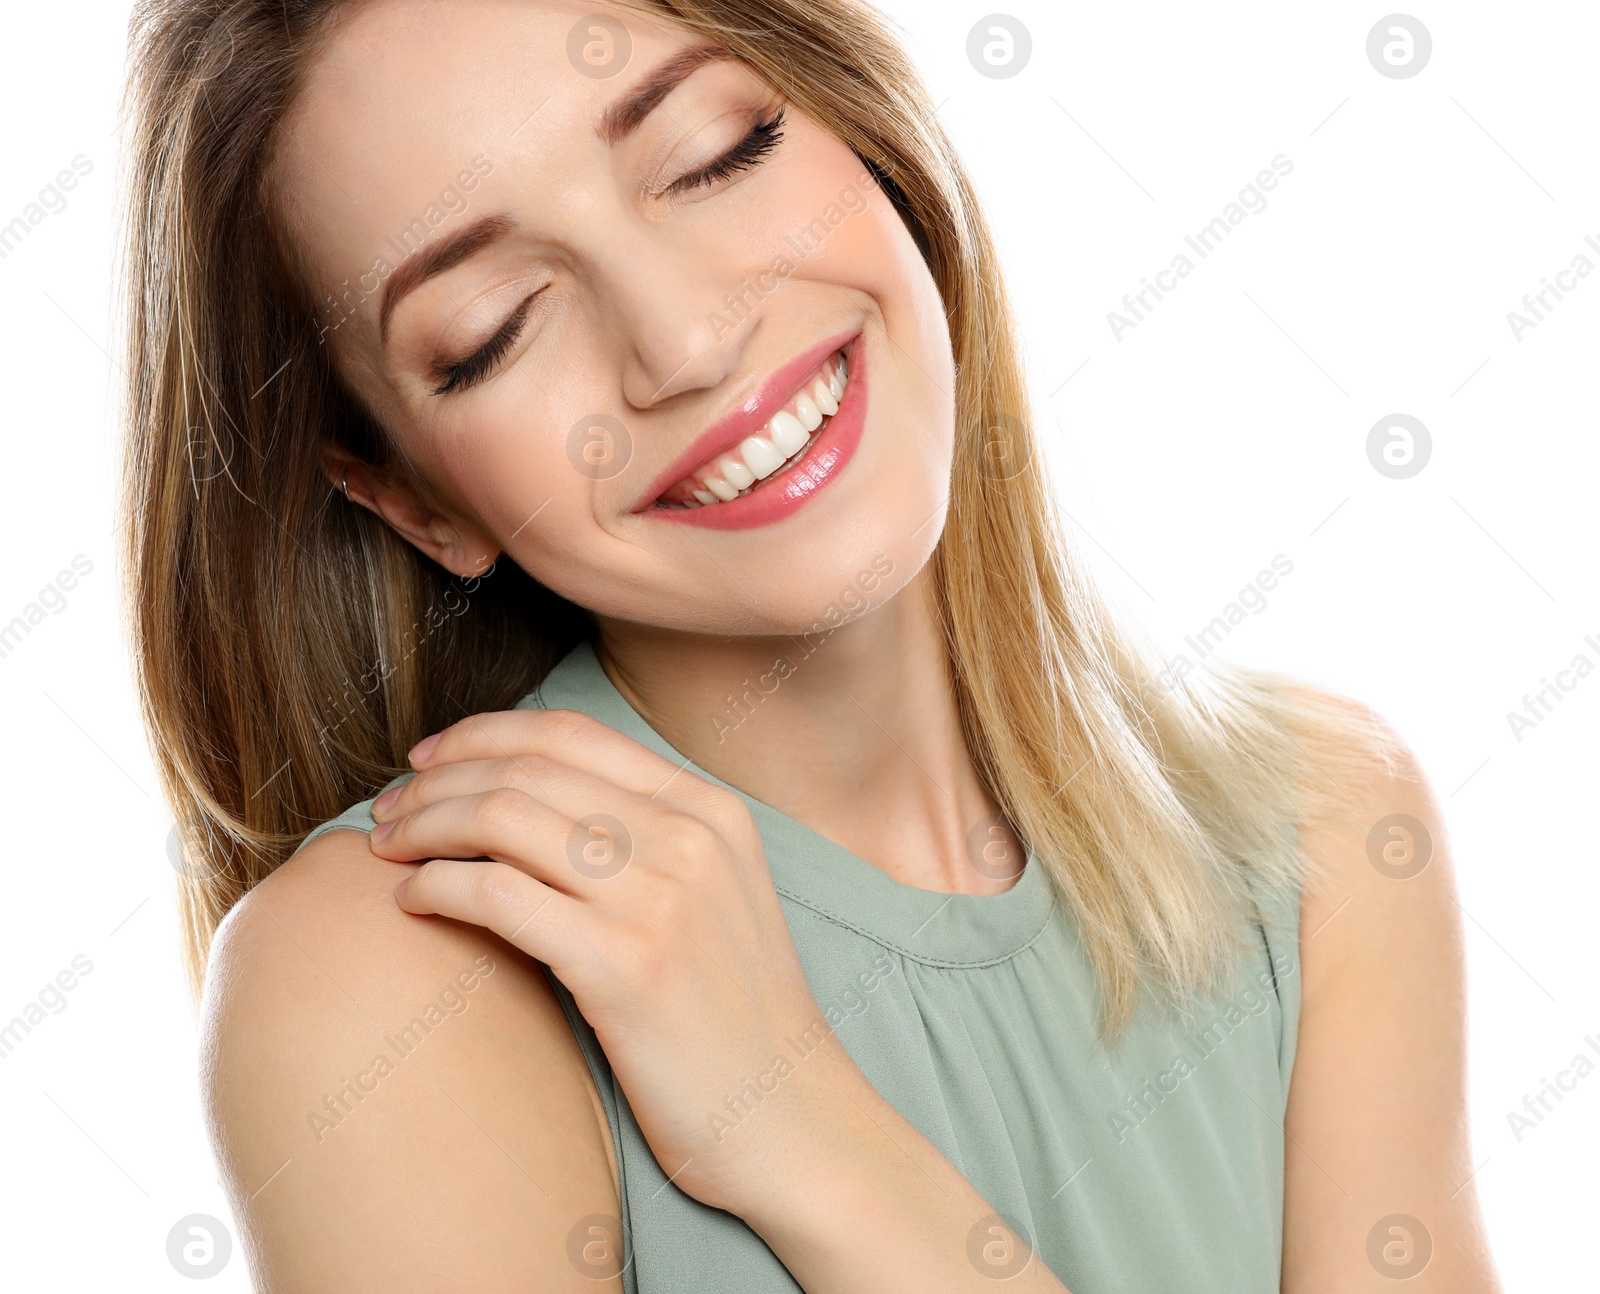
(670, 306)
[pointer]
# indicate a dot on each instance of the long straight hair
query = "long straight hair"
(288, 653)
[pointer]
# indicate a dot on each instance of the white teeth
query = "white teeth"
(805, 409)
(780, 442)
(762, 455)
(789, 434)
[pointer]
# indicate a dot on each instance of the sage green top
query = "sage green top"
(1147, 1168)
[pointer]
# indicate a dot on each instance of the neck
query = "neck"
(855, 734)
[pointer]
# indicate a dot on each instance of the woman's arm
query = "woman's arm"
(489, 1144)
(1378, 1163)
(480, 1142)
(646, 890)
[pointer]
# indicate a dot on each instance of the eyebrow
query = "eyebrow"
(627, 114)
(619, 121)
(436, 259)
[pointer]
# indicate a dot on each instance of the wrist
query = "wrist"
(795, 1129)
(858, 1199)
(850, 1196)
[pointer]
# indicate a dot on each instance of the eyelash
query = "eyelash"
(747, 154)
(477, 366)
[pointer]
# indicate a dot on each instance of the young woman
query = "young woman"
(600, 430)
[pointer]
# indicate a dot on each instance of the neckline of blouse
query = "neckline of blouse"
(927, 926)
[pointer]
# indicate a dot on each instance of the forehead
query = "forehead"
(406, 94)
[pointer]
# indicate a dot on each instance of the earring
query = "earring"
(344, 484)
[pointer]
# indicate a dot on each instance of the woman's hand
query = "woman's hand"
(646, 890)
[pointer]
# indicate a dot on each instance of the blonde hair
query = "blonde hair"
(288, 654)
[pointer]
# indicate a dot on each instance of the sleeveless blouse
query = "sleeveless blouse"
(1150, 1165)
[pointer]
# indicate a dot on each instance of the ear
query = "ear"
(454, 544)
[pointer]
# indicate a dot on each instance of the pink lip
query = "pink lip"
(749, 418)
(782, 493)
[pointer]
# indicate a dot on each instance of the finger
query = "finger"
(577, 740)
(517, 829)
(572, 791)
(520, 909)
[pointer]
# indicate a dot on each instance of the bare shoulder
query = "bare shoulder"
(398, 1102)
(1378, 1164)
(1380, 856)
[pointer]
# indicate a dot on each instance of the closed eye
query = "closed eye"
(748, 153)
(461, 374)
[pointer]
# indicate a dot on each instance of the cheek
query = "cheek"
(502, 468)
(912, 379)
(854, 238)
(848, 242)
(529, 477)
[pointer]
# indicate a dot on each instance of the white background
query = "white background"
(1226, 428)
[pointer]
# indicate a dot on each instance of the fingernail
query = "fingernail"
(380, 831)
(400, 890)
(424, 748)
(382, 804)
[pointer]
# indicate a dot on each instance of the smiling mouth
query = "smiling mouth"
(784, 438)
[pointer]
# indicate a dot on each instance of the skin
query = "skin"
(445, 1172)
(1377, 1116)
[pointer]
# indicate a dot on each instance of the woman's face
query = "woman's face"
(649, 309)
